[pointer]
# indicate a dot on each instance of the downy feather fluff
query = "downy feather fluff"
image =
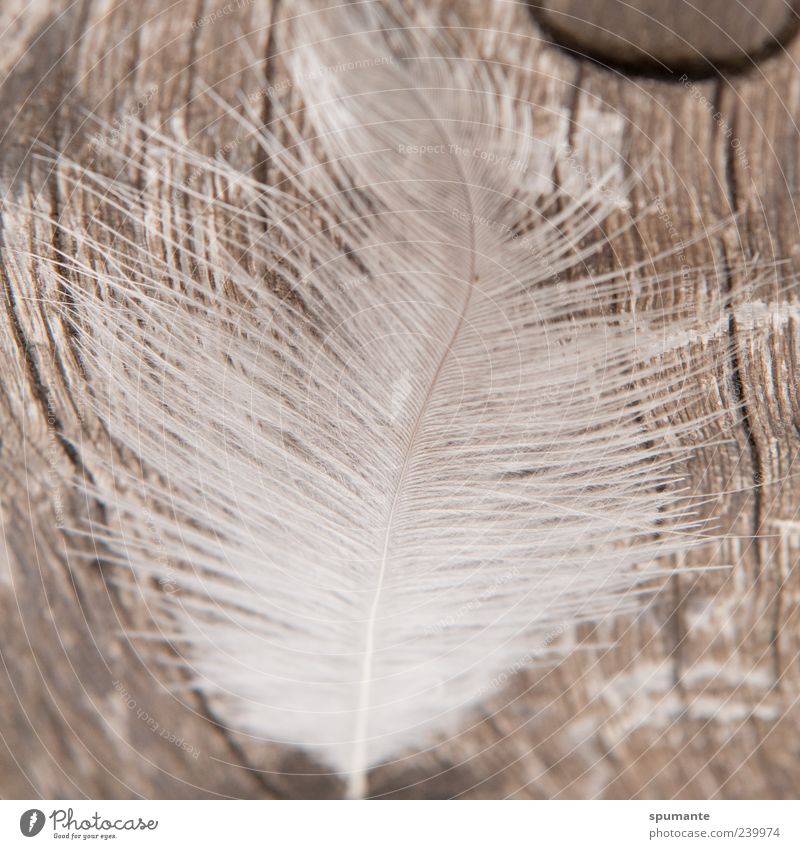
(391, 432)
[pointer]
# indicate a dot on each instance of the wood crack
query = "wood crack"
(261, 171)
(737, 382)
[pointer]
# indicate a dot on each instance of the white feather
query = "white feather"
(393, 436)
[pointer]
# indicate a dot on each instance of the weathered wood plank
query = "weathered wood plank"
(694, 697)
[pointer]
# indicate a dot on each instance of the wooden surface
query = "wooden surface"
(697, 696)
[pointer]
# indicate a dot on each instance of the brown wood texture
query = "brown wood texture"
(694, 697)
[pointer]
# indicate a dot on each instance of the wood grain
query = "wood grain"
(695, 697)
